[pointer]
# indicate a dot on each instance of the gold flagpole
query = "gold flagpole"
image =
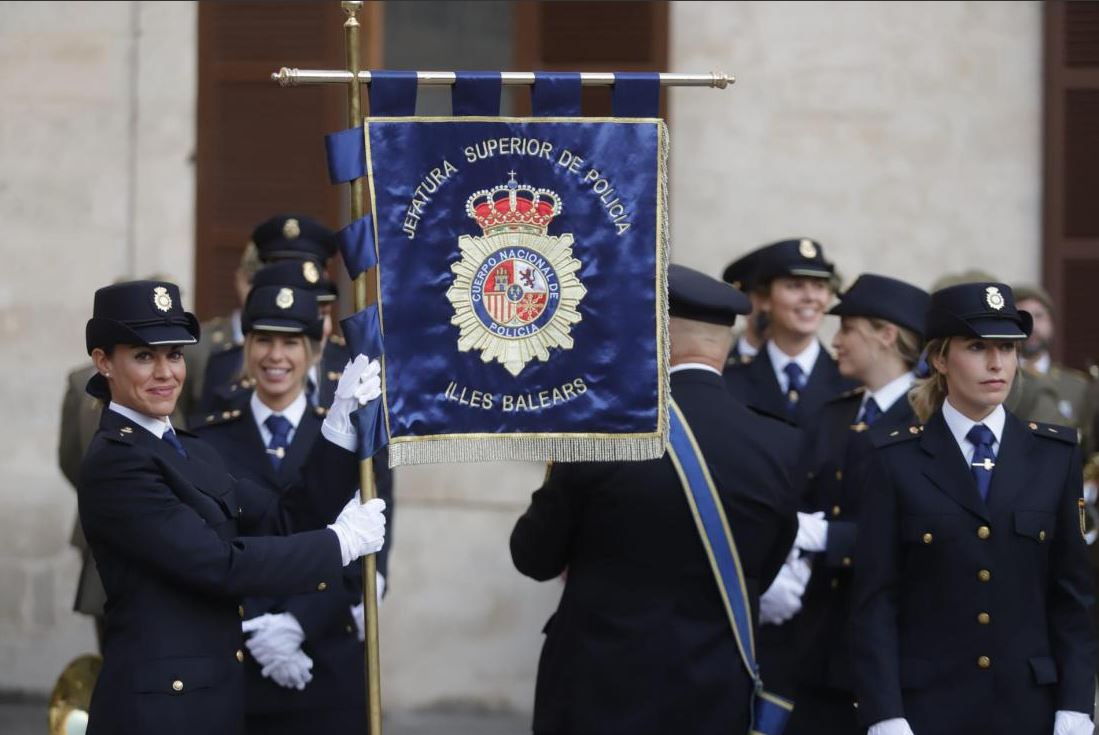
(291, 77)
(363, 299)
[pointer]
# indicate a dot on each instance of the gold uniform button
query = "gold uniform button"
(1041, 535)
(984, 618)
(984, 532)
(928, 538)
(847, 561)
(240, 655)
(322, 586)
(177, 686)
(984, 662)
(839, 474)
(836, 511)
(348, 628)
(1032, 426)
(984, 575)
(240, 611)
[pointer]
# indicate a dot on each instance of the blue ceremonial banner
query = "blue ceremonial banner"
(521, 280)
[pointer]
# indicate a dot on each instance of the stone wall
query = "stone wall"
(96, 183)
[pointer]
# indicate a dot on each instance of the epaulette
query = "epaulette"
(320, 411)
(217, 417)
(337, 339)
(885, 436)
(1066, 434)
(121, 435)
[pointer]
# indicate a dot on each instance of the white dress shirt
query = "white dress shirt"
(889, 393)
(152, 424)
(293, 414)
(744, 348)
(805, 360)
(959, 426)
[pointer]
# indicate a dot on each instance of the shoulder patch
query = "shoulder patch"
(884, 436)
(1066, 434)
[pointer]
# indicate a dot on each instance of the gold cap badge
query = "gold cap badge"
(807, 248)
(994, 298)
(291, 229)
(161, 299)
(309, 271)
(285, 299)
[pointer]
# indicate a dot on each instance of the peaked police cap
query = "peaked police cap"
(985, 309)
(282, 309)
(292, 236)
(880, 297)
(303, 274)
(801, 258)
(697, 296)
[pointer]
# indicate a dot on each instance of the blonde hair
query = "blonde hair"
(928, 394)
(908, 345)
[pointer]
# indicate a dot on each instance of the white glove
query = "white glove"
(782, 600)
(275, 643)
(358, 612)
(812, 532)
(1066, 722)
(293, 672)
(360, 383)
(896, 726)
(360, 527)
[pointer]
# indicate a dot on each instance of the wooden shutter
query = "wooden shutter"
(260, 148)
(591, 36)
(1071, 205)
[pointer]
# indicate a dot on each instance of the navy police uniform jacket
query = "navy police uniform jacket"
(640, 643)
(837, 467)
(331, 640)
(179, 543)
(754, 383)
(973, 617)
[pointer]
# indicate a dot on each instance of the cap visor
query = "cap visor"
(167, 335)
(288, 326)
(997, 329)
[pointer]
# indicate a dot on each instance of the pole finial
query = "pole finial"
(352, 8)
(722, 80)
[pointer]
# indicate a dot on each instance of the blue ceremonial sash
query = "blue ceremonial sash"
(769, 712)
(521, 270)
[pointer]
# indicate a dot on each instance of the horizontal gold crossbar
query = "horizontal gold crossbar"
(288, 77)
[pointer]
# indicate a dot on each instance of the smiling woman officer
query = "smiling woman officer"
(973, 589)
(179, 541)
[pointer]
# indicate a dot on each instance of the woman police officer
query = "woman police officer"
(290, 687)
(972, 587)
(878, 344)
(179, 541)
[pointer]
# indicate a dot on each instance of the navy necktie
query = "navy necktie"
(280, 427)
(170, 437)
(870, 411)
(795, 382)
(983, 457)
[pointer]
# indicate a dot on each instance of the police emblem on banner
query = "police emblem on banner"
(521, 273)
(516, 289)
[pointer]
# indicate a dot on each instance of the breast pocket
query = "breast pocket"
(1036, 525)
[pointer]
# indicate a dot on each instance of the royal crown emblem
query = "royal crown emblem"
(994, 298)
(516, 291)
(161, 299)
